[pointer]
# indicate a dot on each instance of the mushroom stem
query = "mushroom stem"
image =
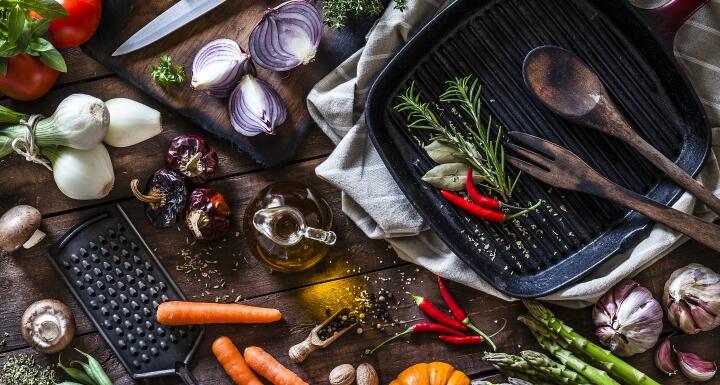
(35, 238)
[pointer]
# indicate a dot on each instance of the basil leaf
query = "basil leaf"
(442, 153)
(39, 27)
(15, 23)
(23, 40)
(53, 59)
(50, 9)
(3, 66)
(450, 176)
(40, 45)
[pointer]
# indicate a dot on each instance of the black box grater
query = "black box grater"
(119, 282)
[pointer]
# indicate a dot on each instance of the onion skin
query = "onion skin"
(82, 174)
(218, 66)
(692, 298)
(287, 36)
(255, 107)
(628, 318)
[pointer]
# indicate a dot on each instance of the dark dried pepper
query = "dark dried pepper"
(208, 214)
(165, 198)
(191, 156)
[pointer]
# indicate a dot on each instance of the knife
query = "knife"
(175, 17)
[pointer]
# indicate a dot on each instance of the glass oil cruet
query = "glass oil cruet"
(287, 226)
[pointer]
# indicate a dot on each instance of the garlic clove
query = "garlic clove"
(695, 368)
(664, 359)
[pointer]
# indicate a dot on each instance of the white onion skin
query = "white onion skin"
(291, 25)
(218, 66)
(131, 122)
(82, 174)
(255, 107)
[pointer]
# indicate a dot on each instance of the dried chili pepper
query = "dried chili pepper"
(207, 215)
(420, 328)
(438, 315)
(464, 340)
(191, 156)
(459, 313)
(481, 212)
(165, 199)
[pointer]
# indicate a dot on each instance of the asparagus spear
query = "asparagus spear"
(519, 365)
(545, 338)
(545, 363)
(509, 373)
(617, 367)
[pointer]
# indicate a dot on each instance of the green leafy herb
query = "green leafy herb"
(338, 11)
(480, 148)
(166, 74)
(21, 369)
(22, 34)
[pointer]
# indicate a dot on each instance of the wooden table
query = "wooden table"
(356, 263)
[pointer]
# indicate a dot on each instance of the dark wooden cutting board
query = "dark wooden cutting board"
(234, 19)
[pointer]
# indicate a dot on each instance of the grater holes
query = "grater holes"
(88, 278)
(142, 286)
(124, 298)
(91, 292)
(74, 258)
(114, 305)
(132, 292)
(102, 298)
(140, 332)
(136, 364)
(117, 319)
(104, 311)
(79, 284)
(182, 332)
(83, 252)
(153, 292)
(173, 338)
(134, 351)
(125, 254)
(155, 305)
(95, 258)
(93, 246)
(66, 265)
(116, 260)
(148, 266)
(85, 264)
(121, 342)
(109, 279)
(119, 273)
(130, 279)
(107, 266)
(127, 266)
(121, 286)
(94, 304)
(139, 273)
(151, 280)
(162, 286)
(123, 240)
(164, 298)
(138, 320)
(154, 351)
(147, 312)
(120, 227)
(98, 273)
(134, 305)
(126, 312)
(137, 260)
(102, 239)
(134, 247)
(77, 271)
(104, 252)
(112, 292)
(114, 246)
(164, 345)
(152, 338)
(145, 299)
(160, 331)
(108, 325)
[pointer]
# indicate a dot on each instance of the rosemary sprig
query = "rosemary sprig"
(483, 151)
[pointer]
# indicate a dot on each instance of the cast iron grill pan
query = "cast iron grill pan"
(120, 283)
(572, 233)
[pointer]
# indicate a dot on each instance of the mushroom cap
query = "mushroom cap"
(17, 225)
(48, 326)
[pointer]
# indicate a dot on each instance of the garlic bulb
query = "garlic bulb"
(695, 368)
(80, 121)
(131, 122)
(82, 174)
(692, 298)
(628, 318)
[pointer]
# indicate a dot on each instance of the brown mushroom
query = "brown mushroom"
(19, 226)
(48, 326)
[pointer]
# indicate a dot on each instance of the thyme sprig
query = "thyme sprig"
(480, 148)
(336, 12)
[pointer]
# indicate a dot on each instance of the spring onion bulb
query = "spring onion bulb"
(131, 122)
(287, 36)
(255, 107)
(80, 122)
(219, 66)
(82, 174)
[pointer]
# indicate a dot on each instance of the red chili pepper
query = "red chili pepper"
(459, 313)
(465, 340)
(438, 315)
(474, 209)
(419, 328)
(480, 199)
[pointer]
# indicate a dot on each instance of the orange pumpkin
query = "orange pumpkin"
(434, 373)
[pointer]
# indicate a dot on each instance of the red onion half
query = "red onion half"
(255, 107)
(218, 66)
(287, 36)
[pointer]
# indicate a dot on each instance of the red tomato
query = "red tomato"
(27, 78)
(81, 23)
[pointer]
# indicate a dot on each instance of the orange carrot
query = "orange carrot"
(200, 313)
(232, 361)
(265, 365)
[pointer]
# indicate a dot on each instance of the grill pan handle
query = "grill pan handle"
(669, 17)
(185, 375)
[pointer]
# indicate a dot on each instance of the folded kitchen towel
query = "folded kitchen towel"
(372, 199)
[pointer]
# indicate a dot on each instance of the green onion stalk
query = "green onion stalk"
(5, 146)
(581, 345)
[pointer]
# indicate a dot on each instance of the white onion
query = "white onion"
(218, 66)
(255, 107)
(82, 174)
(131, 122)
(287, 36)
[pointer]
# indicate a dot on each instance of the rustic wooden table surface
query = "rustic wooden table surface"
(355, 263)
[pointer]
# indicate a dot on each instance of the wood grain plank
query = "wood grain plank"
(353, 254)
(302, 308)
(23, 182)
(81, 67)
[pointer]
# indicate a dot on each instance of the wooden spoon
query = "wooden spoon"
(568, 87)
(299, 352)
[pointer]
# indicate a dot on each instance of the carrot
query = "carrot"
(232, 361)
(201, 313)
(265, 365)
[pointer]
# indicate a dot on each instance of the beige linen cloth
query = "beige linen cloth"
(372, 199)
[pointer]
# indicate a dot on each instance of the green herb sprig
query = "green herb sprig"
(166, 74)
(22, 34)
(338, 11)
(482, 149)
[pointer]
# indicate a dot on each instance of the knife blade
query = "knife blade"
(175, 17)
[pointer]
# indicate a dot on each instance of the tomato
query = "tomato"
(81, 23)
(27, 78)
